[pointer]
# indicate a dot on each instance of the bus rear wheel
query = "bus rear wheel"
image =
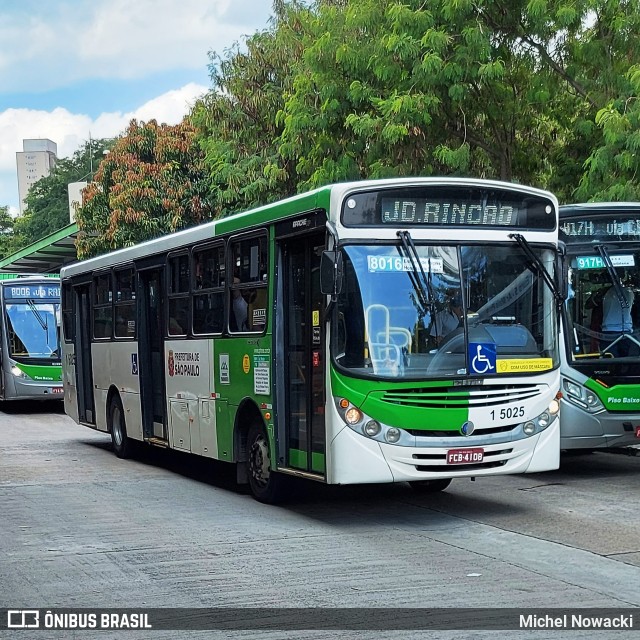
(430, 486)
(122, 445)
(266, 485)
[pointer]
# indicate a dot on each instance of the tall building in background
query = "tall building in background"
(74, 189)
(35, 161)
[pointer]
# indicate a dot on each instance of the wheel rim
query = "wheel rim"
(259, 461)
(116, 426)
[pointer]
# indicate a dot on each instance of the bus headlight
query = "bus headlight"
(554, 406)
(581, 396)
(19, 373)
(572, 388)
(372, 428)
(352, 416)
(539, 423)
(544, 419)
(591, 399)
(392, 435)
(366, 426)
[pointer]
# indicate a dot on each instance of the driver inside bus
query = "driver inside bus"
(447, 319)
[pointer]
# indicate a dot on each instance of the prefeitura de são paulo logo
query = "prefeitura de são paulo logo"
(172, 366)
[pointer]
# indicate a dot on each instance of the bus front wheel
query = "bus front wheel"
(122, 445)
(430, 486)
(265, 484)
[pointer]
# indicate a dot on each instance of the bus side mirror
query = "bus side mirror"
(563, 270)
(331, 273)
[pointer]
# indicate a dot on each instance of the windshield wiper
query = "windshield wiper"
(613, 274)
(42, 321)
(536, 264)
(422, 285)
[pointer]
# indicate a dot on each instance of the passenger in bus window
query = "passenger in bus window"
(178, 323)
(239, 306)
(447, 319)
(615, 316)
(199, 272)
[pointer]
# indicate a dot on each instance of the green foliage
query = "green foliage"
(9, 242)
(240, 120)
(151, 183)
(543, 92)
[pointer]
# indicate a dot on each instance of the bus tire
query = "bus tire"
(122, 445)
(430, 486)
(266, 485)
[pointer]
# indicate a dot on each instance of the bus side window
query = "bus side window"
(68, 312)
(124, 307)
(102, 306)
(208, 290)
(178, 324)
(248, 290)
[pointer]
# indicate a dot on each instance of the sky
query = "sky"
(74, 70)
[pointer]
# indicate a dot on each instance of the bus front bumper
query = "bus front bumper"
(604, 430)
(356, 459)
(34, 390)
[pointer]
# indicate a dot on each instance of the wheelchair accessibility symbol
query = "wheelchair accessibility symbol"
(482, 358)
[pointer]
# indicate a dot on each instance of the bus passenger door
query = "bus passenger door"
(301, 397)
(151, 364)
(83, 360)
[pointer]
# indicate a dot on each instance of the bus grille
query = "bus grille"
(480, 431)
(457, 397)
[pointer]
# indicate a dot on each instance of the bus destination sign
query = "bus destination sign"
(607, 228)
(31, 292)
(432, 212)
(596, 262)
(449, 207)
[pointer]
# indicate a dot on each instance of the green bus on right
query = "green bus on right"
(601, 326)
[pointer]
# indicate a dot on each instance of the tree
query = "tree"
(420, 87)
(151, 183)
(48, 199)
(497, 89)
(612, 168)
(8, 243)
(236, 120)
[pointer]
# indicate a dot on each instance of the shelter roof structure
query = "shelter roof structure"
(47, 255)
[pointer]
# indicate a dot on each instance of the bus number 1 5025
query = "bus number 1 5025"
(508, 413)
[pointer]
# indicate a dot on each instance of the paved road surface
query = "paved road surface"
(81, 528)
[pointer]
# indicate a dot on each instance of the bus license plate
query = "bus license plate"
(57, 390)
(465, 456)
(638, 431)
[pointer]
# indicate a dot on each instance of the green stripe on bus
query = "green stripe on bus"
(298, 460)
(623, 397)
(42, 373)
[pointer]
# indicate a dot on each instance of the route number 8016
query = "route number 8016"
(508, 413)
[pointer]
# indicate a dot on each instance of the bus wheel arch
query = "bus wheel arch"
(254, 455)
(117, 425)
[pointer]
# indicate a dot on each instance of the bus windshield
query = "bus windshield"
(395, 319)
(603, 308)
(32, 330)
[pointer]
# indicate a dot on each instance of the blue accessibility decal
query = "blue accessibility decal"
(482, 358)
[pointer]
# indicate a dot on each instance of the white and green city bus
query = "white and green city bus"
(306, 337)
(601, 328)
(30, 334)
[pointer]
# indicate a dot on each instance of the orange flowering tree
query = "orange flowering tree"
(151, 183)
